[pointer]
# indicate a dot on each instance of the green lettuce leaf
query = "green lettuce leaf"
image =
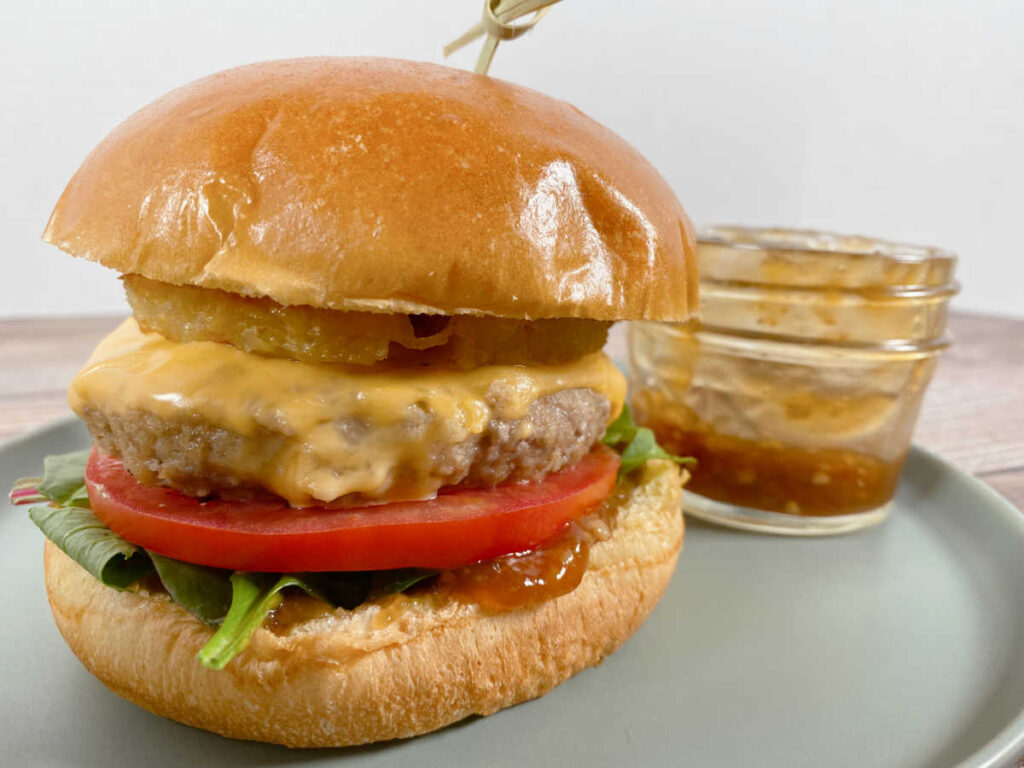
(349, 590)
(637, 444)
(341, 589)
(202, 591)
(87, 541)
(399, 580)
(254, 596)
(621, 430)
(64, 478)
(79, 498)
(72, 526)
(238, 602)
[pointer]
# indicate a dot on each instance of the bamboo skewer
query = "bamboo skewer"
(497, 25)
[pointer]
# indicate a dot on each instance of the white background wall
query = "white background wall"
(895, 118)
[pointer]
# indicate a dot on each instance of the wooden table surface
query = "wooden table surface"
(973, 414)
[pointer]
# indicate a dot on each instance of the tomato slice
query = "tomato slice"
(457, 528)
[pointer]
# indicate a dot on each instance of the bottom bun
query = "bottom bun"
(393, 668)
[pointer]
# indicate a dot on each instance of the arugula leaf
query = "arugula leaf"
(87, 541)
(643, 448)
(621, 430)
(399, 580)
(239, 602)
(341, 589)
(71, 525)
(640, 443)
(64, 478)
(79, 498)
(254, 596)
(202, 591)
(351, 589)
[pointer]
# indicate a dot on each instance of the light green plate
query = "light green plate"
(898, 646)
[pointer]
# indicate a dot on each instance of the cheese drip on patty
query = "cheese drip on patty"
(311, 433)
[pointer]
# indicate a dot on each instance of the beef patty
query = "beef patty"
(201, 459)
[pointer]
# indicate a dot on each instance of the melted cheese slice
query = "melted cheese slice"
(321, 432)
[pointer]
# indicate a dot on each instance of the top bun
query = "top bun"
(383, 185)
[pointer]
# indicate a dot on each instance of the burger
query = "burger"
(360, 466)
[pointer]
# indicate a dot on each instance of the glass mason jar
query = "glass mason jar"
(798, 389)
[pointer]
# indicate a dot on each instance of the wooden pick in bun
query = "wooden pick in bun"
(359, 411)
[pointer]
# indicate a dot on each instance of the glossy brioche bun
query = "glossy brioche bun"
(386, 670)
(383, 185)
